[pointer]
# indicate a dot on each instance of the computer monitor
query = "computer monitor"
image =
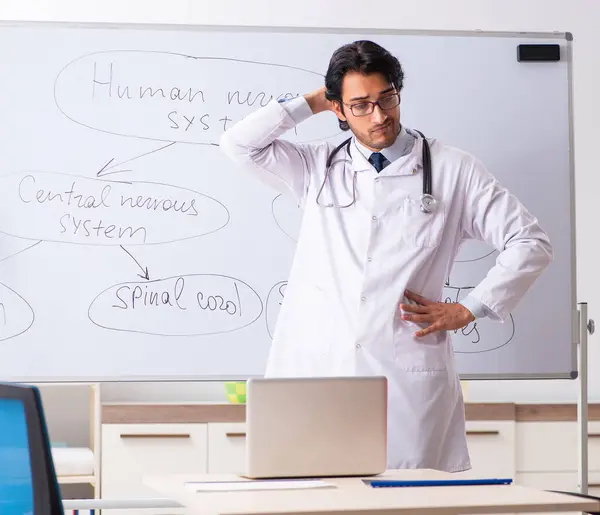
(28, 483)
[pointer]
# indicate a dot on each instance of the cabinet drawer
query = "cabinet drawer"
(552, 446)
(132, 451)
(547, 447)
(492, 448)
(227, 448)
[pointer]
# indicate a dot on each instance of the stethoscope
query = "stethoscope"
(428, 202)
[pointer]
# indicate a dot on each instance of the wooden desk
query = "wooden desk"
(351, 495)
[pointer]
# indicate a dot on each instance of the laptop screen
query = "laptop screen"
(16, 484)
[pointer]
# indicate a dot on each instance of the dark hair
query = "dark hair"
(364, 57)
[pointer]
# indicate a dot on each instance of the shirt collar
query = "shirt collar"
(401, 147)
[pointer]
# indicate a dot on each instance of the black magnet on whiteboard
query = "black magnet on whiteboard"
(538, 53)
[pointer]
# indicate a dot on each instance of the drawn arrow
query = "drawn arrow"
(146, 275)
(107, 169)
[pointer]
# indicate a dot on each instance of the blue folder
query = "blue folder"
(386, 483)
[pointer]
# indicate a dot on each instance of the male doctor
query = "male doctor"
(363, 296)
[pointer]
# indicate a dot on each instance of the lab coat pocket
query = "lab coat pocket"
(422, 229)
(425, 354)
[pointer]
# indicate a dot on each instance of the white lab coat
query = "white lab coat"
(352, 266)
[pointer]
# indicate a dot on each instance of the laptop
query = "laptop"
(28, 481)
(316, 427)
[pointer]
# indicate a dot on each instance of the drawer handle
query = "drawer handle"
(155, 435)
(593, 485)
(236, 435)
(483, 432)
(594, 435)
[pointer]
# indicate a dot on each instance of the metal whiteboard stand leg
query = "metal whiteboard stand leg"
(585, 325)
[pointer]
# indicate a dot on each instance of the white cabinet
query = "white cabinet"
(492, 448)
(541, 453)
(552, 447)
(226, 448)
(132, 451)
(547, 455)
(547, 447)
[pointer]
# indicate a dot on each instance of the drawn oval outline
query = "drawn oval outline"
(31, 313)
(489, 349)
(175, 55)
(280, 208)
(276, 288)
(473, 251)
(210, 200)
(165, 279)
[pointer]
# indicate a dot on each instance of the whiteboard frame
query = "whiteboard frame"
(566, 35)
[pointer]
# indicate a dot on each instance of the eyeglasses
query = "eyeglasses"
(366, 107)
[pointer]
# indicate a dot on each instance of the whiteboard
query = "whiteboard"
(132, 249)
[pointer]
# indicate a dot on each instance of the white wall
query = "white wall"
(577, 16)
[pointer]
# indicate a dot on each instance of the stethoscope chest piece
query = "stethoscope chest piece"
(428, 203)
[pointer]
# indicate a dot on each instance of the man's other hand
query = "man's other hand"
(441, 316)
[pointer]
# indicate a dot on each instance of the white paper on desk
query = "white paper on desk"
(261, 484)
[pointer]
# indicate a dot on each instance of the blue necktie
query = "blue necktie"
(378, 160)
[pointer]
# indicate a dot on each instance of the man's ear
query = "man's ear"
(338, 110)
